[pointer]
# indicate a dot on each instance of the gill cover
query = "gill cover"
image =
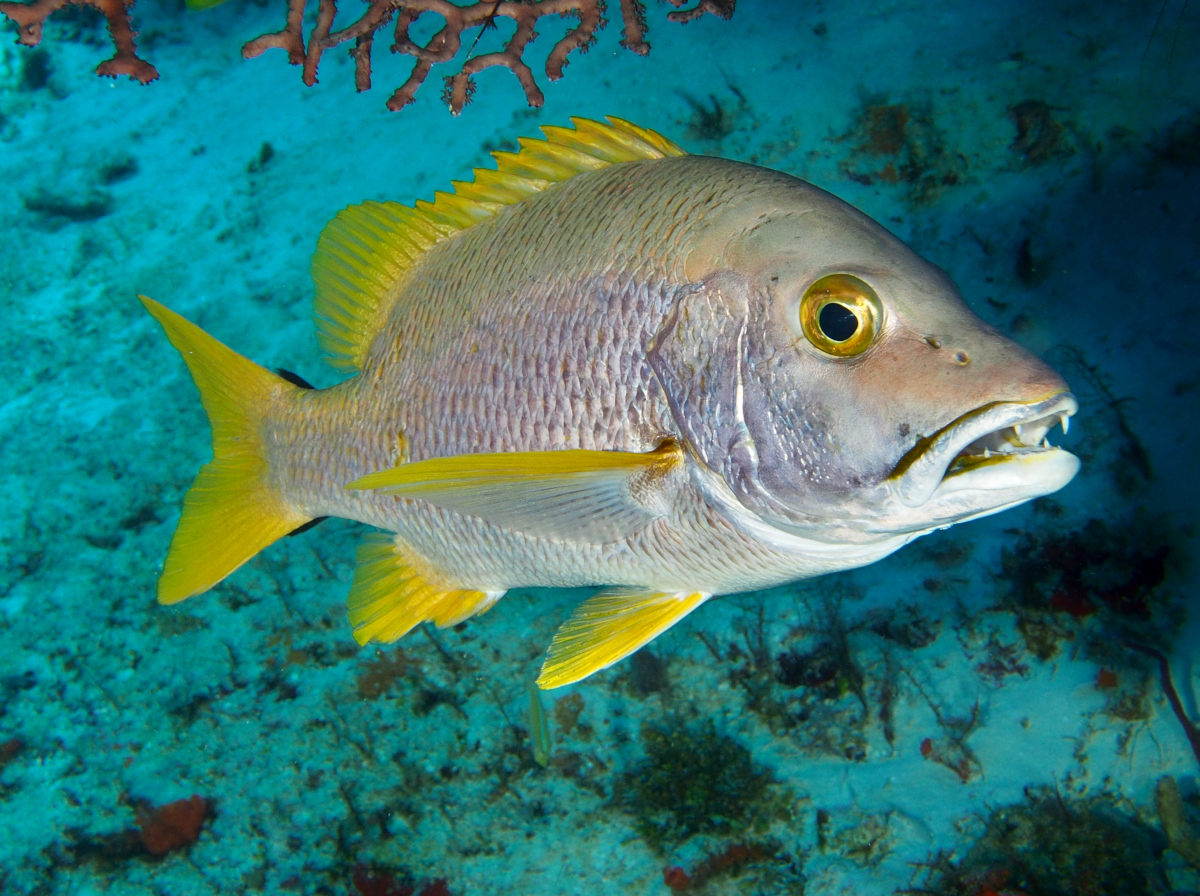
(700, 357)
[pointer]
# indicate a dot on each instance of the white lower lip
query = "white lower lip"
(990, 488)
(1043, 470)
(929, 472)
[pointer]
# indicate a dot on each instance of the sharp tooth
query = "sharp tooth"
(1046, 442)
(1017, 429)
(986, 454)
(1066, 423)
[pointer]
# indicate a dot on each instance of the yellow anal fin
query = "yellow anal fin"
(608, 627)
(230, 513)
(390, 596)
(592, 496)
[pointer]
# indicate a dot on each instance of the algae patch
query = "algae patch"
(694, 780)
(1050, 845)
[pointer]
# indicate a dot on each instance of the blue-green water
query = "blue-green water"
(963, 718)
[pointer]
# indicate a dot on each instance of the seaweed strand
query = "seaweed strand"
(1168, 686)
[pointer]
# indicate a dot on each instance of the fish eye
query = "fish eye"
(840, 315)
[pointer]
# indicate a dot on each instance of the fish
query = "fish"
(610, 363)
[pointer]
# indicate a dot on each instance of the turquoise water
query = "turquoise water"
(965, 717)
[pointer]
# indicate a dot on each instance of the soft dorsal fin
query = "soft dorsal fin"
(365, 251)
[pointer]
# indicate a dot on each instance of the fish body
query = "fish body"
(614, 364)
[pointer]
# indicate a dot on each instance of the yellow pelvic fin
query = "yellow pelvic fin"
(390, 596)
(366, 250)
(230, 513)
(592, 496)
(606, 628)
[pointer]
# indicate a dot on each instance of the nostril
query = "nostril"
(932, 343)
(962, 358)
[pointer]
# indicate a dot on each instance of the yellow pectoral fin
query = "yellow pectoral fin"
(607, 628)
(595, 496)
(390, 596)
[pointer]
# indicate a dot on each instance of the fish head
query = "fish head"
(837, 385)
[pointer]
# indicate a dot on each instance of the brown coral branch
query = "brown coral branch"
(633, 20)
(722, 9)
(1168, 686)
(290, 39)
(31, 17)
(445, 45)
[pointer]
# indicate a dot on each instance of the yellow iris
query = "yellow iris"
(841, 315)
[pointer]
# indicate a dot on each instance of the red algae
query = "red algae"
(10, 749)
(676, 878)
(171, 826)
(380, 882)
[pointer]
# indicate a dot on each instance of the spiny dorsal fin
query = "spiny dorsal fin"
(365, 251)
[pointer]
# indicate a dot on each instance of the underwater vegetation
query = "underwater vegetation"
(1051, 845)
(1116, 566)
(759, 868)
(899, 144)
(1102, 582)
(694, 780)
(160, 830)
(370, 881)
(1040, 137)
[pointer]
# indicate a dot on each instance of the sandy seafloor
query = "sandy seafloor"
(414, 760)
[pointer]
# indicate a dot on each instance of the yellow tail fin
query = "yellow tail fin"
(230, 513)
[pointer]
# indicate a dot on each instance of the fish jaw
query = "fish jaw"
(985, 461)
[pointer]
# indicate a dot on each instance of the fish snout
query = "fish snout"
(981, 365)
(996, 401)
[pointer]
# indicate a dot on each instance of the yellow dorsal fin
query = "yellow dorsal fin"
(390, 596)
(364, 251)
(606, 628)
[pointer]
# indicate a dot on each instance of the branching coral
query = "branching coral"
(442, 47)
(446, 43)
(30, 17)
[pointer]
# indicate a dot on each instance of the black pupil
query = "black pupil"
(838, 322)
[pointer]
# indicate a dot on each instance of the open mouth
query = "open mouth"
(996, 433)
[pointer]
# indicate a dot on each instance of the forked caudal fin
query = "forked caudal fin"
(230, 513)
